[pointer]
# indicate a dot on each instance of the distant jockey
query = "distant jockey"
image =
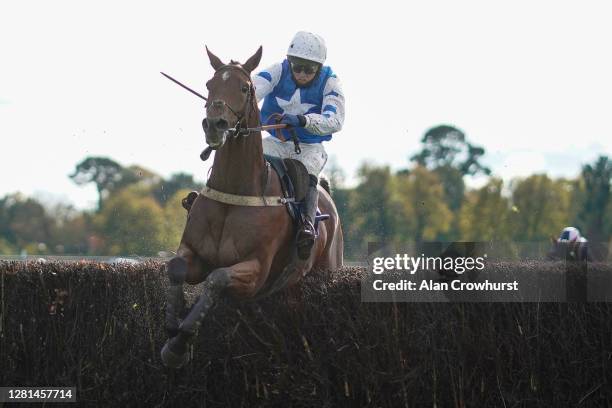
(570, 245)
(571, 234)
(309, 97)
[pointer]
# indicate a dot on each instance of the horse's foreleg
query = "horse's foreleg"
(186, 267)
(175, 303)
(242, 279)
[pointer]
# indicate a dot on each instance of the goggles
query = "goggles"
(308, 69)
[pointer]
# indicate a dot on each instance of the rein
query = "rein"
(238, 130)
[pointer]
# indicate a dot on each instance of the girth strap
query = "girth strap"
(288, 198)
(249, 201)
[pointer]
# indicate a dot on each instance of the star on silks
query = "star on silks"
(294, 106)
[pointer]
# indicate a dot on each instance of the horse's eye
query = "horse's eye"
(245, 88)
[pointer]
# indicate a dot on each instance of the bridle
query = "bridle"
(238, 129)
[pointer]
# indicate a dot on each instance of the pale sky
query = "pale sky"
(528, 80)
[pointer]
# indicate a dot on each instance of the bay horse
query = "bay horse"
(238, 239)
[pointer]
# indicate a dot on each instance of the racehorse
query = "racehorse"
(239, 237)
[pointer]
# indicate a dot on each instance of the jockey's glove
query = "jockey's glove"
(293, 120)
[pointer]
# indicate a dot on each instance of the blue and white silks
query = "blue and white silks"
(321, 103)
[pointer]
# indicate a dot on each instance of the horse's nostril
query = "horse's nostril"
(205, 124)
(221, 124)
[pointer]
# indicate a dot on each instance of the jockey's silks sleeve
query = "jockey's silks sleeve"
(331, 118)
(321, 102)
(265, 81)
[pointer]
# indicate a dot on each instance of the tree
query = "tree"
(446, 145)
(70, 230)
(175, 218)
(106, 173)
(423, 213)
(166, 189)
(342, 197)
(131, 223)
(486, 214)
(373, 211)
(541, 207)
(447, 152)
(23, 221)
(593, 215)
(109, 176)
(6, 248)
(335, 174)
(137, 174)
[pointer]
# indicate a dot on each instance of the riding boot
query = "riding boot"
(306, 234)
(187, 202)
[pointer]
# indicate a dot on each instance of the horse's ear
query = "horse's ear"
(553, 239)
(253, 62)
(214, 60)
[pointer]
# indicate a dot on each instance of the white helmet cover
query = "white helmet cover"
(569, 234)
(308, 46)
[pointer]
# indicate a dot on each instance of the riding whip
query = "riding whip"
(184, 86)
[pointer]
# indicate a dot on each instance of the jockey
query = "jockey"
(308, 96)
(571, 234)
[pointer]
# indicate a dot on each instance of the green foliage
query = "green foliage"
(175, 218)
(70, 230)
(109, 176)
(141, 213)
(541, 206)
(486, 214)
(451, 180)
(23, 221)
(166, 189)
(6, 248)
(446, 146)
(135, 216)
(131, 223)
(387, 207)
(372, 207)
(105, 173)
(594, 215)
(447, 152)
(423, 212)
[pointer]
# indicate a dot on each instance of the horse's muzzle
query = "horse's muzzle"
(216, 130)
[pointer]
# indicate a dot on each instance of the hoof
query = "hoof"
(172, 359)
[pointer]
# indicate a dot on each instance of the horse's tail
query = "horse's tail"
(324, 182)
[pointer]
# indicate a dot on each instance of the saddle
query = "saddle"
(294, 181)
